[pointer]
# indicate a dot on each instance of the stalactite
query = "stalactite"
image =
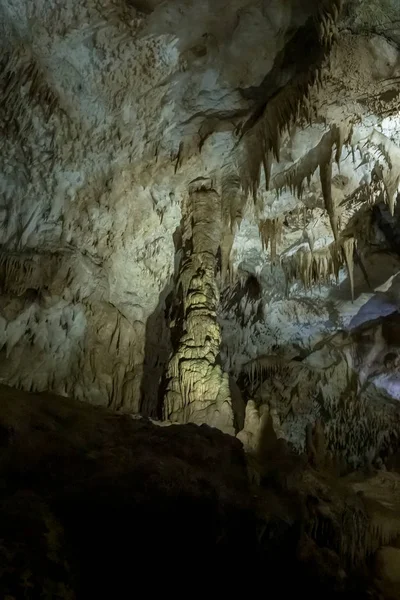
(309, 236)
(320, 266)
(348, 251)
(355, 531)
(391, 179)
(385, 184)
(325, 169)
(271, 234)
(261, 133)
(310, 267)
(22, 271)
(318, 157)
(266, 365)
(336, 256)
(267, 164)
(227, 273)
(264, 228)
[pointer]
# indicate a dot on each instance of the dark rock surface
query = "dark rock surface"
(94, 504)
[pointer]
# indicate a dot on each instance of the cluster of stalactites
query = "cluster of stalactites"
(271, 235)
(386, 180)
(387, 185)
(234, 275)
(321, 266)
(292, 101)
(385, 175)
(267, 365)
(320, 157)
(20, 272)
(318, 267)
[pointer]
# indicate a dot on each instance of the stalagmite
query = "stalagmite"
(197, 388)
(101, 132)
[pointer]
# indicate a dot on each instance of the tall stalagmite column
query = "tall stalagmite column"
(198, 390)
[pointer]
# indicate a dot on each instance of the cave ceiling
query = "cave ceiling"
(113, 111)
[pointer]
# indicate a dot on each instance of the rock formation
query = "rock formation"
(198, 390)
(92, 501)
(199, 211)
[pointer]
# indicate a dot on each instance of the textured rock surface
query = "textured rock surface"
(112, 112)
(198, 390)
(91, 502)
(102, 102)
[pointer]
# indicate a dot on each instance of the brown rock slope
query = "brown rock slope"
(94, 504)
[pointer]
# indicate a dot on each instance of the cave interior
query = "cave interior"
(199, 298)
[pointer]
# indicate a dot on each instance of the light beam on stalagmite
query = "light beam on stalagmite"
(198, 390)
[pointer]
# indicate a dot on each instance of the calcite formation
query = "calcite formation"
(190, 188)
(197, 388)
